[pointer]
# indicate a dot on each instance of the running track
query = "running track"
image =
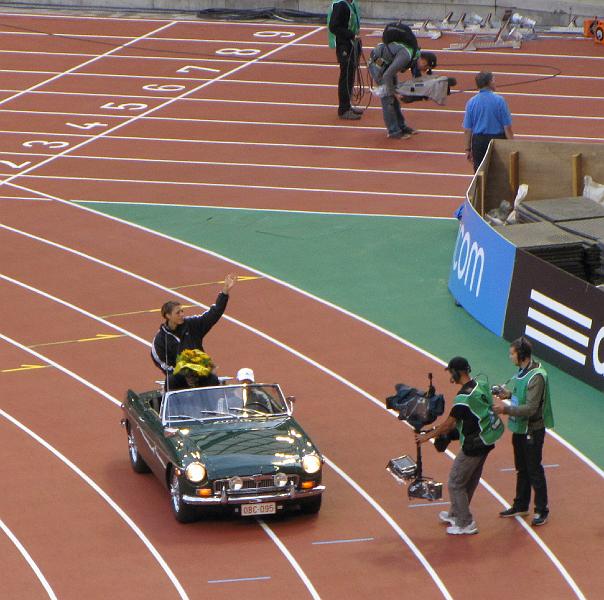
(237, 115)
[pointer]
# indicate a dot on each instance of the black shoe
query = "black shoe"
(357, 111)
(410, 130)
(513, 512)
(540, 519)
(350, 115)
(401, 135)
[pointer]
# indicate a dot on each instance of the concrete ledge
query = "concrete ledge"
(546, 12)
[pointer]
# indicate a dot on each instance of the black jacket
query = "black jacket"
(167, 344)
(338, 24)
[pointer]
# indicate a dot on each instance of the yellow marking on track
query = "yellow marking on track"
(97, 338)
(25, 368)
(239, 278)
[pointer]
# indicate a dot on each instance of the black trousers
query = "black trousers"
(528, 453)
(480, 143)
(348, 54)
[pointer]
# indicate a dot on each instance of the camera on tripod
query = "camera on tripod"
(418, 409)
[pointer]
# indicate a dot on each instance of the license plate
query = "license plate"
(265, 508)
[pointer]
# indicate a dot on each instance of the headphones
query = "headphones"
(456, 374)
(523, 348)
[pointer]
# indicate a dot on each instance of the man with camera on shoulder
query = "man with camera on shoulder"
(530, 413)
(479, 428)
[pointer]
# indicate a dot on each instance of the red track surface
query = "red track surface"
(79, 541)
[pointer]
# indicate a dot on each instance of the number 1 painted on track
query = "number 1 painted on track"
(87, 125)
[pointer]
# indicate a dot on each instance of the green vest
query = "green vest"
(354, 22)
(480, 402)
(520, 424)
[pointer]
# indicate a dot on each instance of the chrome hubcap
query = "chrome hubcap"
(175, 493)
(132, 448)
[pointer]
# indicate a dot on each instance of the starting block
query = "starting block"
(572, 27)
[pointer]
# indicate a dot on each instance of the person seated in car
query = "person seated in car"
(254, 398)
(196, 368)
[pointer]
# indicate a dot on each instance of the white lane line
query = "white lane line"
(79, 66)
(257, 165)
(394, 525)
(269, 210)
(149, 111)
(135, 528)
(512, 469)
(237, 580)
(355, 486)
(294, 563)
(424, 504)
(30, 561)
(244, 186)
(342, 380)
(350, 541)
(582, 457)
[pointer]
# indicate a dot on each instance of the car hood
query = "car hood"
(250, 446)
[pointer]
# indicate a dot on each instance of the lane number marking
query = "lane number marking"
(46, 143)
(125, 106)
(86, 125)
(13, 165)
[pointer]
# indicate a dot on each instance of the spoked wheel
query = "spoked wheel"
(183, 513)
(136, 460)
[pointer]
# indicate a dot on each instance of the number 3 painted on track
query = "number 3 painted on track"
(238, 52)
(46, 143)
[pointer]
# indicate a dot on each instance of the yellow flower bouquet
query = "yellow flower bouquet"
(195, 360)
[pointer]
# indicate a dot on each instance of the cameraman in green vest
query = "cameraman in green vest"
(479, 428)
(344, 24)
(530, 414)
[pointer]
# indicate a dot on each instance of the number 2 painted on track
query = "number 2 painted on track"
(13, 165)
(46, 143)
(86, 125)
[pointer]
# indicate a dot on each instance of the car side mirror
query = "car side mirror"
(291, 399)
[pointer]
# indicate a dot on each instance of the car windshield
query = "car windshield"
(224, 402)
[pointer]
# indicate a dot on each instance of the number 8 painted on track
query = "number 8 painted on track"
(238, 52)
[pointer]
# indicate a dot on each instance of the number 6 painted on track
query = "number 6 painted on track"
(126, 106)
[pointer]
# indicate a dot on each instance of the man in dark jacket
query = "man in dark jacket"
(180, 333)
(344, 24)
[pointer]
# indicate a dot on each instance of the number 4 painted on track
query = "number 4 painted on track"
(87, 125)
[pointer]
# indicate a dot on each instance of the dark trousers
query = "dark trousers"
(528, 452)
(480, 143)
(348, 56)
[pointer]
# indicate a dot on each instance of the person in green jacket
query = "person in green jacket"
(479, 428)
(344, 24)
(530, 413)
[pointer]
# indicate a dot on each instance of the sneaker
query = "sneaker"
(410, 130)
(399, 136)
(350, 115)
(357, 111)
(443, 515)
(513, 512)
(539, 519)
(467, 530)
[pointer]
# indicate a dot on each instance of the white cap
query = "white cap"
(245, 374)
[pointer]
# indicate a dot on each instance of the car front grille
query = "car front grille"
(255, 483)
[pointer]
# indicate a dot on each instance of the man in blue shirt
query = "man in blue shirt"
(487, 117)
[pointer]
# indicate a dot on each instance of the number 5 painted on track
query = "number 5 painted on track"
(46, 143)
(126, 106)
(13, 165)
(86, 125)
(188, 67)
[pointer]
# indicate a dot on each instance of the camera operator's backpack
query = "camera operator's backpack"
(401, 33)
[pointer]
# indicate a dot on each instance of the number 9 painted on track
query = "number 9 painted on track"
(238, 52)
(274, 34)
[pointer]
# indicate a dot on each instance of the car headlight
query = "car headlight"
(311, 463)
(195, 472)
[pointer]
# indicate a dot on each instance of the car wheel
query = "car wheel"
(182, 512)
(311, 506)
(600, 34)
(136, 460)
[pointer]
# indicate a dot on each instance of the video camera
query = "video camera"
(418, 409)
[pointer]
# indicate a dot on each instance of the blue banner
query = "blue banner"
(481, 270)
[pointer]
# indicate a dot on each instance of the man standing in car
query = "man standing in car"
(344, 24)
(179, 333)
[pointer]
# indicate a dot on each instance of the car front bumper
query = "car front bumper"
(224, 499)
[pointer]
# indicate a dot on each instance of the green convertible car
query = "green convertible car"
(234, 446)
